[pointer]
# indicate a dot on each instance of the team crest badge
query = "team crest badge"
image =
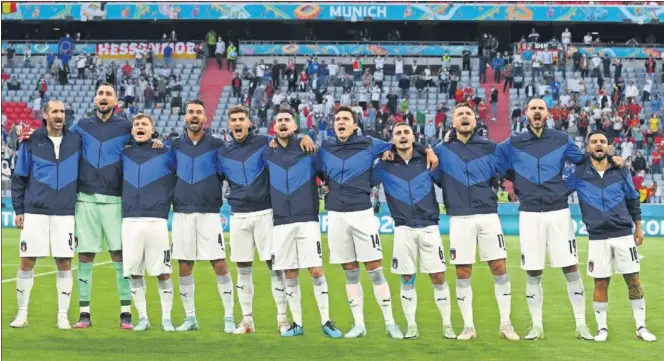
(591, 266)
(24, 246)
(395, 263)
(452, 253)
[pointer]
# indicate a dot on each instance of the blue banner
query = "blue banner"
(354, 49)
(619, 52)
(87, 11)
(653, 219)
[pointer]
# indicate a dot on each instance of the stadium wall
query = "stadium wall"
(653, 219)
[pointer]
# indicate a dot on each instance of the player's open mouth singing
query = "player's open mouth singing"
(465, 123)
(403, 141)
(341, 128)
(140, 133)
(537, 117)
(238, 130)
(103, 103)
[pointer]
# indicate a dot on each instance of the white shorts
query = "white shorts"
(296, 246)
(44, 236)
(469, 232)
(249, 232)
(409, 242)
(607, 255)
(542, 232)
(145, 246)
(198, 237)
(353, 236)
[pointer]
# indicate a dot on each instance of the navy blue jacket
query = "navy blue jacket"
(242, 165)
(149, 177)
(409, 191)
(101, 164)
(535, 165)
(293, 188)
(608, 204)
(198, 186)
(465, 172)
(42, 184)
(347, 167)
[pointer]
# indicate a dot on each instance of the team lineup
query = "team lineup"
(105, 183)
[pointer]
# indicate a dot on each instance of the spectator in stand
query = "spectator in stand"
(656, 104)
(231, 56)
(566, 38)
(530, 90)
(404, 86)
(11, 54)
(126, 70)
(398, 68)
(168, 54)
(533, 37)
(303, 81)
(639, 163)
(595, 65)
(631, 92)
(466, 54)
(236, 83)
(509, 77)
(219, 49)
(375, 95)
(651, 67)
(80, 65)
(13, 83)
(364, 97)
(404, 104)
(176, 104)
(654, 123)
(430, 133)
(346, 98)
(656, 160)
(655, 193)
(584, 66)
(494, 102)
(130, 92)
(333, 70)
(357, 69)
(498, 63)
(647, 88)
(588, 39)
(36, 106)
(378, 77)
(392, 100)
(413, 67)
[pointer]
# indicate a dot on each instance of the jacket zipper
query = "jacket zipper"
(57, 166)
(341, 186)
(539, 182)
(138, 194)
(410, 196)
(470, 206)
(288, 196)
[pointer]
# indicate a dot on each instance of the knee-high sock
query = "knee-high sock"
(138, 294)
(503, 291)
(441, 295)
(465, 300)
(576, 296)
(321, 294)
(123, 288)
(382, 294)
(187, 292)
(409, 300)
(535, 298)
(166, 298)
(278, 292)
(294, 298)
(24, 282)
(245, 290)
(64, 283)
(225, 288)
(355, 296)
(84, 285)
(639, 309)
(601, 309)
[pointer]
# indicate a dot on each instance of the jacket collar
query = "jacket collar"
(545, 130)
(415, 155)
(185, 136)
(42, 132)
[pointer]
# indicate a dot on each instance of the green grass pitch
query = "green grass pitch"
(105, 341)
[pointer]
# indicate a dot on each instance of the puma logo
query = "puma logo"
(441, 299)
(168, 292)
(239, 287)
(133, 292)
(228, 292)
(279, 289)
(183, 295)
(388, 300)
(597, 312)
(407, 298)
(19, 291)
(82, 280)
(289, 294)
(578, 293)
(323, 293)
(507, 294)
(66, 294)
(532, 297)
(167, 265)
(461, 298)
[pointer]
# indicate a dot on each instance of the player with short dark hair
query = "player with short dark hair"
(468, 164)
(411, 199)
(44, 187)
(296, 233)
(147, 194)
(609, 208)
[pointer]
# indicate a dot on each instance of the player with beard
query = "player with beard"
(610, 208)
(241, 162)
(296, 236)
(468, 163)
(353, 229)
(411, 198)
(197, 231)
(535, 161)
(44, 188)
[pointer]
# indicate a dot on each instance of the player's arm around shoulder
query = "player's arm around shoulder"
(570, 178)
(20, 179)
(376, 173)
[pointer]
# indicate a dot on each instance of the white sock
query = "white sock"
(245, 290)
(64, 284)
(409, 302)
(321, 294)
(503, 291)
(166, 298)
(465, 300)
(441, 295)
(278, 292)
(294, 298)
(535, 298)
(138, 296)
(382, 294)
(601, 309)
(639, 309)
(576, 293)
(355, 296)
(225, 287)
(187, 289)
(24, 282)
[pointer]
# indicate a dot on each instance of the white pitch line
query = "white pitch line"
(54, 272)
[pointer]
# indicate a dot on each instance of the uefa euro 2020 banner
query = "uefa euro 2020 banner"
(349, 11)
(653, 219)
